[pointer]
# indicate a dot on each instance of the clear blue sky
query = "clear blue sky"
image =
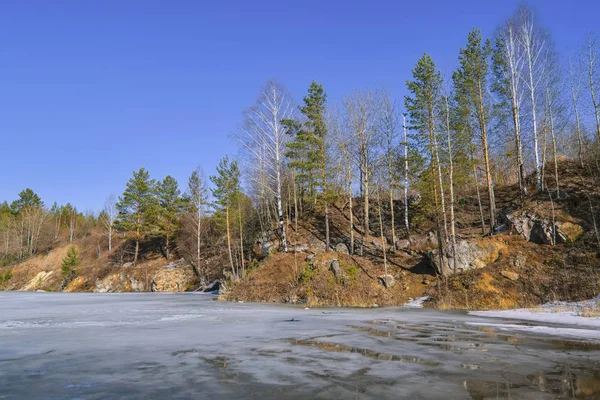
(92, 90)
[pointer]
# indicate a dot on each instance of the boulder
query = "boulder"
(342, 248)
(536, 229)
(569, 232)
(334, 267)
(301, 248)
(469, 255)
(402, 244)
(513, 276)
(378, 245)
(386, 280)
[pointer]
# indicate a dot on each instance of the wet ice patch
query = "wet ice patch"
(546, 330)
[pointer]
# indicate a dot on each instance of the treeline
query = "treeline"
(509, 112)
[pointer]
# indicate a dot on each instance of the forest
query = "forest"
(509, 143)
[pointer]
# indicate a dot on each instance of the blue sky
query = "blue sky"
(92, 90)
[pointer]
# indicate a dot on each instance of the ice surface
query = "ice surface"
(97, 346)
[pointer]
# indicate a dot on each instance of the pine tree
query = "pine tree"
(470, 82)
(137, 208)
(226, 191)
(316, 133)
(69, 266)
(170, 207)
(422, 108)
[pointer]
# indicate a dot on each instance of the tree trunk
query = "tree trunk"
(349, 183)
(383, 241)
(406, 225)
(538, 165)
(229, 241)
(486, 157)
(451, 173)
(476, 177)
(241, 239)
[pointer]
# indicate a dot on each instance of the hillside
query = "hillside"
(518, 267)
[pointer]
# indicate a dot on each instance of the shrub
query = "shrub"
(308, 273)
(69, 265)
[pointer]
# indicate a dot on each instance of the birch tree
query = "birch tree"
(264, 137)
(197, 198)
(593, 73)
(390, 131)
(575, 88)
(508, 62)
(108, 217)
(362, 122)
(533, 41)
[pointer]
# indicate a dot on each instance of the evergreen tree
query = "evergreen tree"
(470, 82)
(27, 198)
(423, 107)
(171, 205)
(137, 208)
(226, 191)
(315, 134)
(69, 266)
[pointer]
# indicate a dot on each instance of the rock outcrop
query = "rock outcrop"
(469, 255)
(536, 229)
(342, 248)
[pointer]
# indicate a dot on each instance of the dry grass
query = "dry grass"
(278, 280)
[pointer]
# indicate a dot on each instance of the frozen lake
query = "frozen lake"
(130, 346)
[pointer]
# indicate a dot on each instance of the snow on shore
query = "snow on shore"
(550, 315)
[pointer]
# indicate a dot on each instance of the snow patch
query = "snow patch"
(416, 303)
(546, 330)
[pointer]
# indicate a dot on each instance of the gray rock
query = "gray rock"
(334, 267)
(378, 245)
(128, 264)
(342, 248)
(536, 229)
(302, 248)
(386, 280)
(403, 244)
(469, 255)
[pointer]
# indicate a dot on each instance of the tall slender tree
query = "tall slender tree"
(470, 83)
(423, 107)
(197, 200)
(227, 186)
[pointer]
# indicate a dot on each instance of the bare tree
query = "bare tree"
(390, 128)
(264, 137)
(591, 52)
(508, 67)
(533, 42)
(108, 216)
(405, 144)
(575, 86)
(362, 119)
(451, 184)
(197, 195)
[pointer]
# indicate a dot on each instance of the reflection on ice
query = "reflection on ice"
(190, 346)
